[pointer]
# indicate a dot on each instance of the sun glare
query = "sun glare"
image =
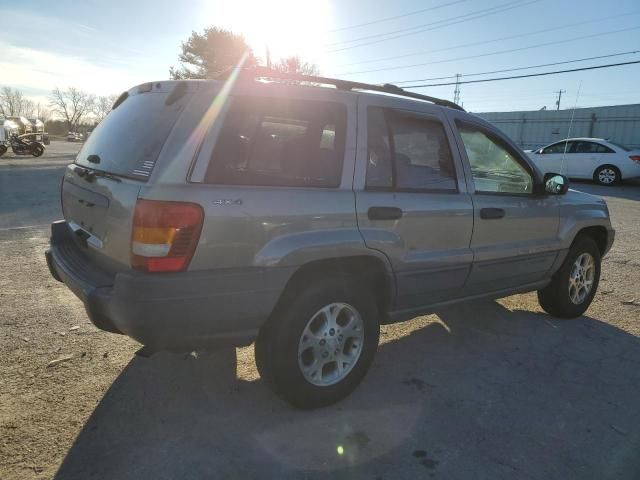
(285, 27)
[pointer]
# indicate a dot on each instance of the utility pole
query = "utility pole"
(559, 92)
(456, 92)
(268, 57)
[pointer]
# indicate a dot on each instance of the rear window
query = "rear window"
(280, 142)
(620, 145)
(128, 141)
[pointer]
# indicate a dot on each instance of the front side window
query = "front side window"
(561, 147)
(280, 143)
(494, 166)
(408, 153)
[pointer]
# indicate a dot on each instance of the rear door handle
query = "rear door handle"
(384, 213)
(491, 213)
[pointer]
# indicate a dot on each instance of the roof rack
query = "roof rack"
(264, 72)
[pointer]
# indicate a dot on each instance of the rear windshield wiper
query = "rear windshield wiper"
(90, 174)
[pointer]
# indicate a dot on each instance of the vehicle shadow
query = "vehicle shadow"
(629, 190)
(479, 391)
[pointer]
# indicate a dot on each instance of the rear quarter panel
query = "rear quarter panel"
(262, 226)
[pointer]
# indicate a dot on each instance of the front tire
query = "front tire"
(37, 150)
(3, 150)
(319, 343)
(607, 175)
(573, 286)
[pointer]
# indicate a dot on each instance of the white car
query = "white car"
(605, 162)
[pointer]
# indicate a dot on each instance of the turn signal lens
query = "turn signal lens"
(635, 158)
(165, 235)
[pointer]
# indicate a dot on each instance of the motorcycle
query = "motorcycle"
(20, 145)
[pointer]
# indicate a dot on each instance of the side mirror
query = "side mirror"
(555, 184)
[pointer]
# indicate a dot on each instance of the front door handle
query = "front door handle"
(491, 213)
(384, 213)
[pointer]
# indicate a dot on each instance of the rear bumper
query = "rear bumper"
(175, 311)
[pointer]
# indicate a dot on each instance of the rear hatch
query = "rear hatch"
(99, 190)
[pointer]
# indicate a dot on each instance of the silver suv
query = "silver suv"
(301, 217)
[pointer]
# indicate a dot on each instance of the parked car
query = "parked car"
(74, 137)
(602, 161)
(302, 218)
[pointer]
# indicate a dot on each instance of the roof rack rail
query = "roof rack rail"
(264, 72)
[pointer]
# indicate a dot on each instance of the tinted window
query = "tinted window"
(591, 147)
(129, 139)
(379, 169)
(560, 147)
(280, 143)
(419, 151)
(493, 165)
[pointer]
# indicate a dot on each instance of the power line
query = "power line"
(473, 44)
(417, 27)
(525, 76)
(631, 52)
(491, 53)
(431, 26)
(395, 17)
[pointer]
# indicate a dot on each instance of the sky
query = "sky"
(106, 47)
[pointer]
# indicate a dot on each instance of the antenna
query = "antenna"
(573, 113)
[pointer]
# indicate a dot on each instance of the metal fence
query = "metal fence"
(619, 123)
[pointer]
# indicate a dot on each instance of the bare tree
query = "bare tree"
(296, 65)
(43, 113)
(27, 108)
(72, 104)
(102, 106)
(10, 102)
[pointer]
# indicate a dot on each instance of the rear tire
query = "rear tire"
(319, 343)
(607, 175)
(573, 286)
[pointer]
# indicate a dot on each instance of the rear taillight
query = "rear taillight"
(635, 158)
(165, 235)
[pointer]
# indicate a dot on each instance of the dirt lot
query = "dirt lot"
(486, 390)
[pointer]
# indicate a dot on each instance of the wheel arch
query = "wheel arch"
(370, 269)
(596, 232)
(609, 165)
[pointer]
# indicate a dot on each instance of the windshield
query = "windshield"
(128, 141)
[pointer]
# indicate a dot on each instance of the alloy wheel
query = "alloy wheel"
(581, 278)
(607, 176)
(331, 344)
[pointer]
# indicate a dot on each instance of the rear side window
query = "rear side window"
(408, 152)
(128, 141)
(280, 142)
(591, 147)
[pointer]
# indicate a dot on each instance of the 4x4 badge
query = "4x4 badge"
(226, 201)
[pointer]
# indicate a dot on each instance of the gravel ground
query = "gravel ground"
(483, 390)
